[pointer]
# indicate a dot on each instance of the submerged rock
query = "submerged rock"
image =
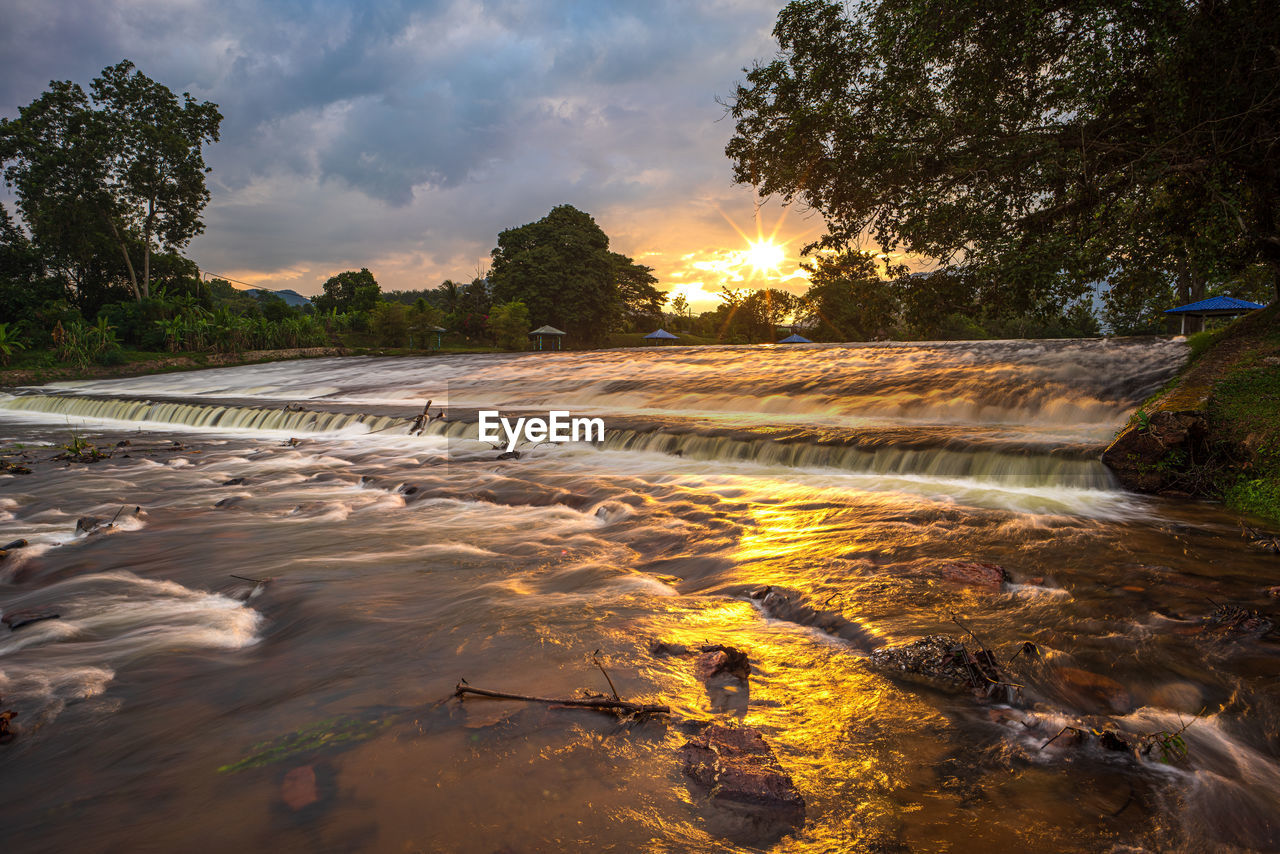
(1091, 692)
(298, 789)
(6, 734)
(740, 773)
(25, 617)
(986, 577)
(790, 606)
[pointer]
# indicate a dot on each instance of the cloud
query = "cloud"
(404, 136)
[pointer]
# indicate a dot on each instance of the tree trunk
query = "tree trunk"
(128, 262)
(146, 249)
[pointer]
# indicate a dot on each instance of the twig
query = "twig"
(254, 580)
(1061, 732)
(602, 705)
(595, 656)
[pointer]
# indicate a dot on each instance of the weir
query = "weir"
(1016, 466)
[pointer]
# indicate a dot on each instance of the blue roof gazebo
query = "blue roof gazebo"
(660, 335)
(795, 338)
(1213, 307)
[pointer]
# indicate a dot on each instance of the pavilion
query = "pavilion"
(660, 335)
(795, 338)
(1213, 307)
(550, 335)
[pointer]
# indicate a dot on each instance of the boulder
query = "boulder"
(1143, 455)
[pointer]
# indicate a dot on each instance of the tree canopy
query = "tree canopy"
(1059, 143)
(120, 171)
(561, 269)
(349, 292)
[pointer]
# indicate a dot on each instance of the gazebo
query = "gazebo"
(795, 338)
(436, 331)
(550, 335)
(660, 335)
(1213, 307)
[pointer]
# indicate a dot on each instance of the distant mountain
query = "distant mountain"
(291, 297)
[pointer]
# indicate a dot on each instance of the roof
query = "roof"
(1215, 304)
(795, 339)
(546, 330)
(663, 334)
(436, 329)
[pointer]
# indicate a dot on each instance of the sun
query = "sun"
(764, 255)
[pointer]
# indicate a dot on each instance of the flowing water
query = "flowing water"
(176, 706)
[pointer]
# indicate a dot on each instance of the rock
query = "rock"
(715, 660)
(1091, 692)
(299, 788)
(508, 455)
(25, 617)
(987, 577)
(935, 657)
(741, 773)
(16, 544)
(6, 734)
(1142, 455)
(88, 524)
(790, 606)
(1178, 696)
(1274, 592)
(235, 481)
(1235, 621)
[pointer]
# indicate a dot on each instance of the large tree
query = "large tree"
(121, 171)
(561, 268)
(350, 291)
(1069, 139)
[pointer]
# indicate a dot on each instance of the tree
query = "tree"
(349, 292)
(509, 324)
(561, 268)
(1070, 139)
(680, 311)
(124, 169)
(847, 300)
(640, 302)
(390, 322)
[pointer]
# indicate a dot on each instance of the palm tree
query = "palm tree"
(10, 343)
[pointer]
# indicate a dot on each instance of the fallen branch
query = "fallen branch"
(601, 704)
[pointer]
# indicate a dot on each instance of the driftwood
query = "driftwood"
(602, 704)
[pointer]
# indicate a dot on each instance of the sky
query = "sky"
(404, 136)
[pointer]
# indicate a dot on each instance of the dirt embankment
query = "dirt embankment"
(40, 376)
(1215, 431)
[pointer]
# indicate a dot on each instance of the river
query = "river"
(178, 704)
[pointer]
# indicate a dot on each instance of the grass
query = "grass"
(1244, 411)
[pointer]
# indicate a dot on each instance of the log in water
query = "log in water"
(265, 653)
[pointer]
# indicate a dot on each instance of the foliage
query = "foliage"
(349, 292)
(561, 268)
(847, 300)
(509, 324)
(10, 343)
(1048, 145)
(317, 736)
(118, 175)
(390, 323)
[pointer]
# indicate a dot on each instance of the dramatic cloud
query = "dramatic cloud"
(405, 136)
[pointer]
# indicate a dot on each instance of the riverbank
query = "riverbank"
(157, 363)
(1214, 431)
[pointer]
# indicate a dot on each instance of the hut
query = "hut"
(549, 338)
(436, 331)
(795, 338)
(1212, 307)
(660, 335)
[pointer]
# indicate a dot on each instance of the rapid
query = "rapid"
(258, 639)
